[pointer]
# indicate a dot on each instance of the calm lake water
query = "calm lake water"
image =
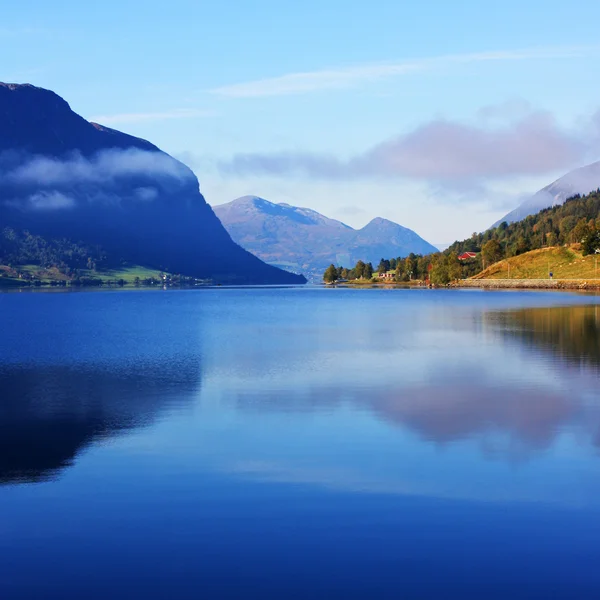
(299, 443)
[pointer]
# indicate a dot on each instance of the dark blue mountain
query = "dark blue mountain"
(61, 176)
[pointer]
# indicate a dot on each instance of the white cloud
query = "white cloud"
(43, 183)
(51, 200)
(104, 167)
(299, 83)
(454, 153)
(179, 113)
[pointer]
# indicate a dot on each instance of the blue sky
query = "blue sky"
(440, 116)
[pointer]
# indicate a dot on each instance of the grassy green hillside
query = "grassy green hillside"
(128, 274)
(565, 262)
(28, 275)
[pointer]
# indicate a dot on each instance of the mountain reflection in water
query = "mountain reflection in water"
(93, 380)
(50, 414)
(536, 374)
(523, 374)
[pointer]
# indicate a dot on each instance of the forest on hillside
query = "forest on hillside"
(27, 259)
(23, 248)
(577, 221)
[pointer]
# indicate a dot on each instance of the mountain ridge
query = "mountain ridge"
(307, 241)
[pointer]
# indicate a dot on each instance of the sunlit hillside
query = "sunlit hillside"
(564, 262)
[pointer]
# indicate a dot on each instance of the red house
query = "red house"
(467, 255)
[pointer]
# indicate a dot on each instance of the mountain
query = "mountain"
(580, 181)
(63, 177)
(307, 242)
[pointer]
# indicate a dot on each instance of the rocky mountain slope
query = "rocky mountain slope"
(305, 241)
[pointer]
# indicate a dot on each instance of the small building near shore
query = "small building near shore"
(388, 276)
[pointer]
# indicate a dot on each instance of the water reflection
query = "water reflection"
(508, 381)
(78, 368)
(570, 333)
(504, 379)
(331, 430)
(49, 414)
(453, 410)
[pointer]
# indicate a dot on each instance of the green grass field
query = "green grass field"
(563, 262)
(127, 273)
(45, 276)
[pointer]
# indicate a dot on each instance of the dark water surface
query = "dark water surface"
(298, 443)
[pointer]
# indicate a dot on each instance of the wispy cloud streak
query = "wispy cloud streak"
(346, 77)
(299, 83)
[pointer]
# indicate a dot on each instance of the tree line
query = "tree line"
(577, 221)
(438, 268)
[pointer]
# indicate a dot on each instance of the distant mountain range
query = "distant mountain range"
(63, 177)
(304, 241)
(580, 181)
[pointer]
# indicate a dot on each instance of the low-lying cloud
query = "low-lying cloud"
(50, 201)
(103, 167)
(43, 183)
(42, 201)
(444, 151)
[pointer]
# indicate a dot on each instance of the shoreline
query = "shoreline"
(375, 283)
(490, 284)
(529, 284)
(499, 284)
